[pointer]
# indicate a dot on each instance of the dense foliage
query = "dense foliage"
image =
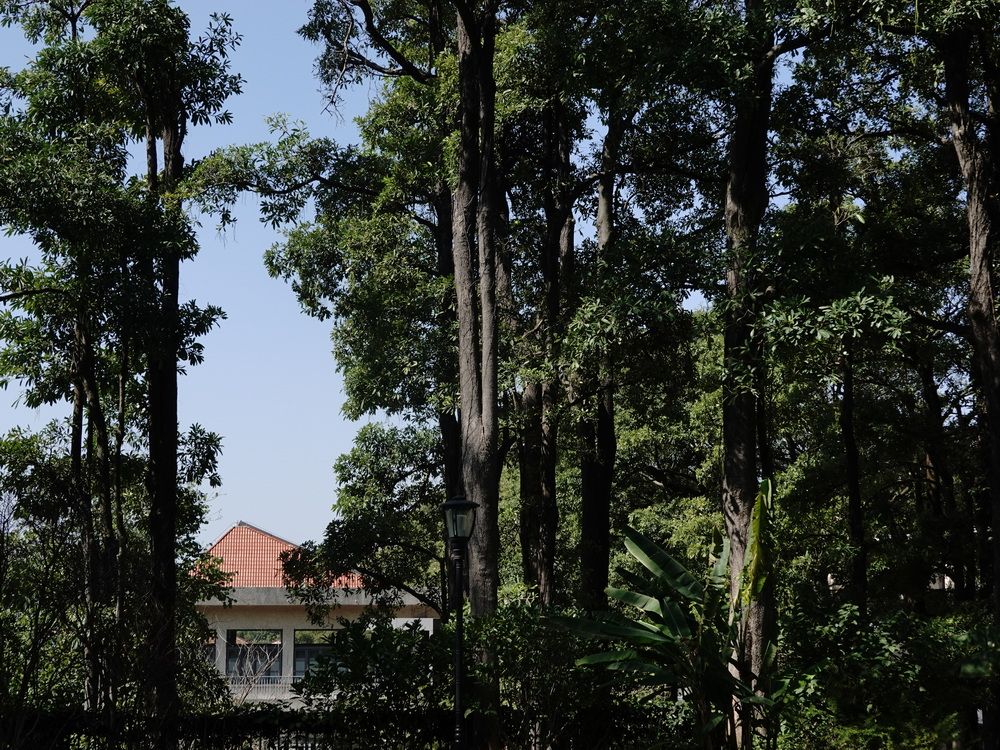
(600, 267)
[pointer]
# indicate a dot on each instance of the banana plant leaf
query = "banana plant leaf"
(655, 559)
(639, 601)
(684, 634)
(635, 631)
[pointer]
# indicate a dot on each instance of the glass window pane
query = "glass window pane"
(254, 655)
(310, 646)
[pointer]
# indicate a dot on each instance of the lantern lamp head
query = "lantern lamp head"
(459, 518)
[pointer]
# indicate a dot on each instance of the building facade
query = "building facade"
(264, 641)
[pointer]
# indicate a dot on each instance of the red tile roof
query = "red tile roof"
(253, 558)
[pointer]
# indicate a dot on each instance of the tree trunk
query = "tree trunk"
(978, 168)
(599, 445)
(162, 347)
(852, 471)
(538, 515)
(473, 229)
(448, 423)
(955, 541)
(597, 463)
(530, 478)
(745, 203)
(474, 224)
(91, 638)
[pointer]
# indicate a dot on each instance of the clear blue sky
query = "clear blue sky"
(268, 384)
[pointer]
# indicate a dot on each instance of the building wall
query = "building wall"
(269, 609)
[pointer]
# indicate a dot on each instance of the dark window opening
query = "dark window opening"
(253, 655)
(310, 647)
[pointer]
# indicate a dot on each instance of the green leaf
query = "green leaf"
(758, 552)
(606, 657)
(712, 723)
(655, 559)
(610, 630)
(640, 601)
(676, 619)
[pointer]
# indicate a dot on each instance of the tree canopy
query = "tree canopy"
(663, 287)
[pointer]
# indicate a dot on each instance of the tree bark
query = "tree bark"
(540, 400)
(475, 215)
(979, 168)
(745, 203)
(599, 445)
(91, 639)
(162, 347)
(597, 463)
(530, 479)
(474, 252)
(954, 538)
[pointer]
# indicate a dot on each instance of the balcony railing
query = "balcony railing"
(261, 688)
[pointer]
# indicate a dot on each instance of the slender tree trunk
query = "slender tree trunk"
(538, 516)
(540, 400)
(102, 459)
(162, 347)
(763, 411)
(91, 551)
(955, 542)
(978, 167)
(474, 252)
(597, 463)
(855, 507)
(557, 252)
(448, 423)
(108, 573)
(549, 510)
(599, 445)
(745, 204)
(530, 478)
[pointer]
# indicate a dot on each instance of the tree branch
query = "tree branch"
(947, 326)
(423, 598)
(386, 46)
(10, 296)
(793, 43)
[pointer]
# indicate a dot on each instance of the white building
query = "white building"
(264, 642)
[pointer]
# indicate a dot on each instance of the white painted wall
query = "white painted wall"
(286, 617)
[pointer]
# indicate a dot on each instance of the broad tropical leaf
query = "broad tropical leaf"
(663, 566)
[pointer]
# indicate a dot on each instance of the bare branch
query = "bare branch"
(405, 65)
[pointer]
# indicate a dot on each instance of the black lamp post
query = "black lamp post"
(459, 520)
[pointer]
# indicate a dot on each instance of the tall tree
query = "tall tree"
(151, 96)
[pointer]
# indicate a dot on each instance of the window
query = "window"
(310, 645)
(254, 654)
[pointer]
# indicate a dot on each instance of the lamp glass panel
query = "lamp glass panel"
(460, 522)
(463, 522)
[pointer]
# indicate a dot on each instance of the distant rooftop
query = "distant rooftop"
(253, 558)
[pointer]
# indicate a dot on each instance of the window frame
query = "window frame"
(313, 650)
(258, 662)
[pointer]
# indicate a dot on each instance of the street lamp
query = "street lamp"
(459, 520)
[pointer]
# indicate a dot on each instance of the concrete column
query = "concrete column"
(220, 650)
(287, 651)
